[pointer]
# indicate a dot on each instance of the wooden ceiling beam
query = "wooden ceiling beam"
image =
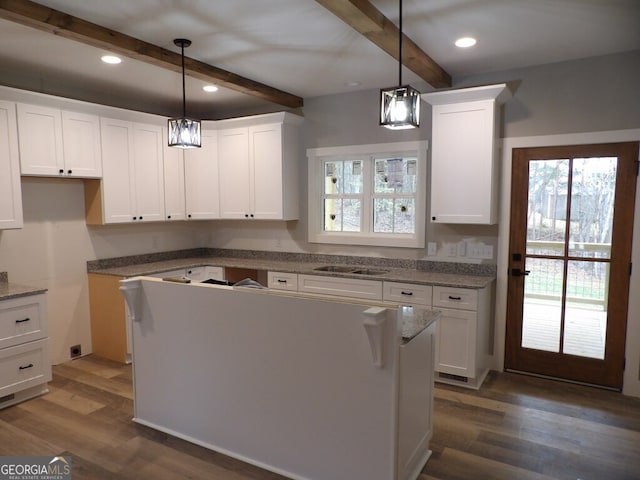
(67, 26)
(366, 19)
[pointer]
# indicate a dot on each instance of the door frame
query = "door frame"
(631, 385)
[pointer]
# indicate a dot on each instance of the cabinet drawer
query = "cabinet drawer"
(460, 298)
(24, 366)
(407, 293)
(22, 319)
(340, 287)
(283, 281)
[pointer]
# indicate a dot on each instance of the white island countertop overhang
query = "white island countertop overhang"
(311, 388)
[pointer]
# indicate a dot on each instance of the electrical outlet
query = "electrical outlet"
(432, 249)
(462, 248)
(75, 351)
(452, 249)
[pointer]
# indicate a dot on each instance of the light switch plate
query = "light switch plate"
(432, 249)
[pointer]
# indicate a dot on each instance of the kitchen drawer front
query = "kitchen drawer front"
(24, 366)
(407, 293)
(283, 281)
(22, 319)
(460, 298)
(340, 287)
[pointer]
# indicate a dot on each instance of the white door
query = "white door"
(10, 191)
(265, 147)
(81, 145)
(117, 173)
(40, 138)
(201, 179)
(148, 172)
(233, 166)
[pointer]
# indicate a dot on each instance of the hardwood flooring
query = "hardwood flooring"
(515, 427)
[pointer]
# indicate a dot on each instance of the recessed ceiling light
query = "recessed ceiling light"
(210, 88)
(111, 59)
(465, 42)
(352, 84)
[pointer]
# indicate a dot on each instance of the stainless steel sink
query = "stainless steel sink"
(350, 269)
(369, 271)
(336, 268)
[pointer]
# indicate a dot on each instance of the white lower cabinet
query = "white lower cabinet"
(25, 365)
(462, 345)
(340, 287)
(282, 281)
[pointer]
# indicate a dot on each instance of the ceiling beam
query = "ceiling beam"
(67, 26)
(365, 18)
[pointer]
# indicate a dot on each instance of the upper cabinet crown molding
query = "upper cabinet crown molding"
(464, 154)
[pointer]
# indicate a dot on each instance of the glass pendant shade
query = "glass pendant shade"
(400, 107)
(184, 133)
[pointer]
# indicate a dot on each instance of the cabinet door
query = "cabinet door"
(10, 189)
(266, 171)
(463, 170)
(81, 145)
(233, 167)
(174, 195)
(40, 138)
(201, 179)
(117, 174)
(148, 172)
(456, 343)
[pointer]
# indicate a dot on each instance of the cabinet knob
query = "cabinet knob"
(246, 215)
(61, 171)
(169, 216)
(251, 215)
(69, 172)
(141, 217)
(433, 218)
(189, 215)
(135, 218)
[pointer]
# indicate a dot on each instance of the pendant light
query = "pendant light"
(400, 106)
(184, 132)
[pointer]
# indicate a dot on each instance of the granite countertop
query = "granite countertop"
(416, 320)
(396, 271)
(13, 290)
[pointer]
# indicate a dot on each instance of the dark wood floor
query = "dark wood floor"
(515, 427)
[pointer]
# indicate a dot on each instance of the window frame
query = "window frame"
(367, 153)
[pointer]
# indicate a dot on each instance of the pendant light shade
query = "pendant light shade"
(400, 106)
(184, 132)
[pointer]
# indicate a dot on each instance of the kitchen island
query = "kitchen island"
(309, 387)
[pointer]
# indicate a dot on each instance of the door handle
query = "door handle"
(516, 272)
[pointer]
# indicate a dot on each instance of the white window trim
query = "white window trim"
(315, 231)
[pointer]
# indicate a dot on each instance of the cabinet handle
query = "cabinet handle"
(433, 218)
(407, 293)
(451, 297)
(282, 281)
(21, 367)
(23, 320)
(61, 171)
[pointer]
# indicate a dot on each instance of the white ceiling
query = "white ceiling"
(300, 47)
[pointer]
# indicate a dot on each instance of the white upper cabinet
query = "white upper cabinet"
(10, 191)
(258, 167)
(464, 154)
(133, 175)
(201, 179)
(68, 143)
(174, 194)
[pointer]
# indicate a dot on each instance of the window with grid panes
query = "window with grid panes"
(368, 195)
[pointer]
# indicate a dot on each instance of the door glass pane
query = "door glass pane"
(593, 187)
(542, 308)
(585, 322)
(547, 206)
